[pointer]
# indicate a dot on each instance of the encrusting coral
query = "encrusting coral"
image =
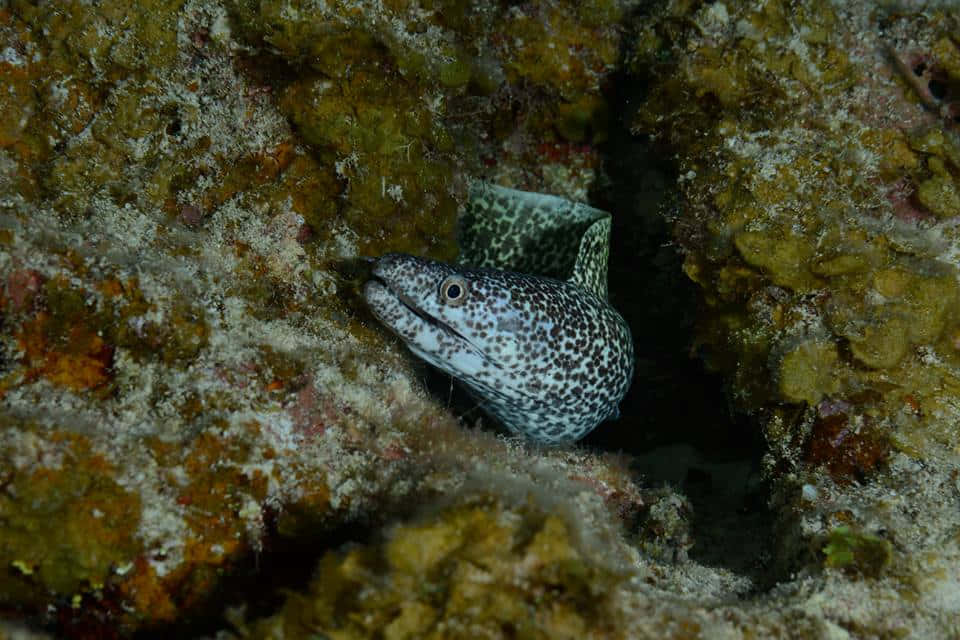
(188, 378)
(481, 567)
(818, 216)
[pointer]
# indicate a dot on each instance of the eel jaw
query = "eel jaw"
(378, 287)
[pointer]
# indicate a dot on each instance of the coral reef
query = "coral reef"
(187, 375)
(479, 568)
(188, 379)
(818, 216)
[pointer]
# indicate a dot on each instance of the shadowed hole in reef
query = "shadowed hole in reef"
(675, 420)
(260, 582)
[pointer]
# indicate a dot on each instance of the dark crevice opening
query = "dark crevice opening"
(676, 420)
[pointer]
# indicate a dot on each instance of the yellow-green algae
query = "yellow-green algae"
(393, 153)
(66, 529)
(140, 117)
(857, 551)
(789, 196)
(808, 371)
(77, 55)
(482, 568)
(817, 216)
(562, 50)
(175, 202)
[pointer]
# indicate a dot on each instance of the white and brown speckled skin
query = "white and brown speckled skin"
(532, 336)
(547, 358)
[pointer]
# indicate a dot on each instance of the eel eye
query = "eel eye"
(453, 290)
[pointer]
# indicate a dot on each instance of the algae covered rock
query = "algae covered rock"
(796, 224)
(189, 382)
(187, 374)
(817, 153)
(477, 568)
(808, 371)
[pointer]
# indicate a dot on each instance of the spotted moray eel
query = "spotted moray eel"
(523, 319)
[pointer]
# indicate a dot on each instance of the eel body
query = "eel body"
(524, 321)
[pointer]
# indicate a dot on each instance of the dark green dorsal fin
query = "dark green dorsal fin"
(590, 270)
(535, 233)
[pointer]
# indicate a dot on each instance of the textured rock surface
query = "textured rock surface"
(479, 568)
(187, 380)
(190, 383)
(818, 152)
(817, 159)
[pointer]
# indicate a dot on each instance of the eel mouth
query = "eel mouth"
(410, 305)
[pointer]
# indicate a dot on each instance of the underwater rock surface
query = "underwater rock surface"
(188, 379)
(818, 150)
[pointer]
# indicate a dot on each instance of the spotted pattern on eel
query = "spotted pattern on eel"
(523, 319)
